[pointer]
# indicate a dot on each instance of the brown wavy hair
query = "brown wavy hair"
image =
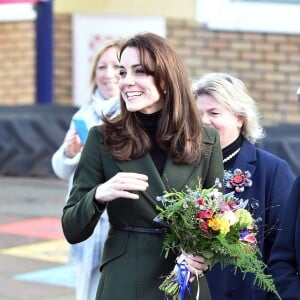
(179, 127)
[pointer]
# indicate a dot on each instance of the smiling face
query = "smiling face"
(138, 88)
(217, 115)
(107, 73)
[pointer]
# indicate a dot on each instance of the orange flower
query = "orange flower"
(214, 224)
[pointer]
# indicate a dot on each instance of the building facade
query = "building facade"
(267, 60)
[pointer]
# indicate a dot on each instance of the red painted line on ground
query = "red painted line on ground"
(46, 227)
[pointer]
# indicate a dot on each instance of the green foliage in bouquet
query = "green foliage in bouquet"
(214, 225)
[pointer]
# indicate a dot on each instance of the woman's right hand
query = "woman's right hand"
(196, 265)
(72, 144)
(121, 185)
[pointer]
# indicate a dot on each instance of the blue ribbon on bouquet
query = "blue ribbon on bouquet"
(183, 276)
(183, 279)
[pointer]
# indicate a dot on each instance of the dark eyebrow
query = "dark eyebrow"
(149, 72)
(133, 66)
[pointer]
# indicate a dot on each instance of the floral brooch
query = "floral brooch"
(237, 180)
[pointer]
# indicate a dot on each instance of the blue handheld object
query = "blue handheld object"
(81, 129)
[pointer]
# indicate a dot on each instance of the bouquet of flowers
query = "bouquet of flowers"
(214, 225)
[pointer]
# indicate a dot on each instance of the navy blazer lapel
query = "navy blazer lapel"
(245, 161)
(246, 158)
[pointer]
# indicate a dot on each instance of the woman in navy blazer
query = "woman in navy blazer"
(250, 172)
(284, 263)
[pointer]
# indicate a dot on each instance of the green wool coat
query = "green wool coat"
(133, 263)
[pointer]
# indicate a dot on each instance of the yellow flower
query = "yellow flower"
(224, 224)
(214, 224)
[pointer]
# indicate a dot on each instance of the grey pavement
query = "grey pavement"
(31, 196)
(23, 199)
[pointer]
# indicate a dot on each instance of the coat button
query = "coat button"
(233, 292)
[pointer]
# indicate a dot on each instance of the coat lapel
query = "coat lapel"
(245, 161)
(247, 158)
(175, 176)
(145, 165)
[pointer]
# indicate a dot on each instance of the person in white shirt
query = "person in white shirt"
(104, 100)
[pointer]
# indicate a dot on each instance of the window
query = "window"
(273, 16)
(17, 12)
(272, 1)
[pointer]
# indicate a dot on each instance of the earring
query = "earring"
(164, 92)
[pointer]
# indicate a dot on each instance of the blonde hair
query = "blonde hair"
(233, 94)
(109, 43)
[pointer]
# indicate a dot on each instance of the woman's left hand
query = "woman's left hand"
(196, 265)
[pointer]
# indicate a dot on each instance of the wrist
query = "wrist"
(68, 154)
(100, 204)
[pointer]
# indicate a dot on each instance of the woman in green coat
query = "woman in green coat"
(156, 144)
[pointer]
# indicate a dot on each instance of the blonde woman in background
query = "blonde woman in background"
(104, 100)
(250, 172)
